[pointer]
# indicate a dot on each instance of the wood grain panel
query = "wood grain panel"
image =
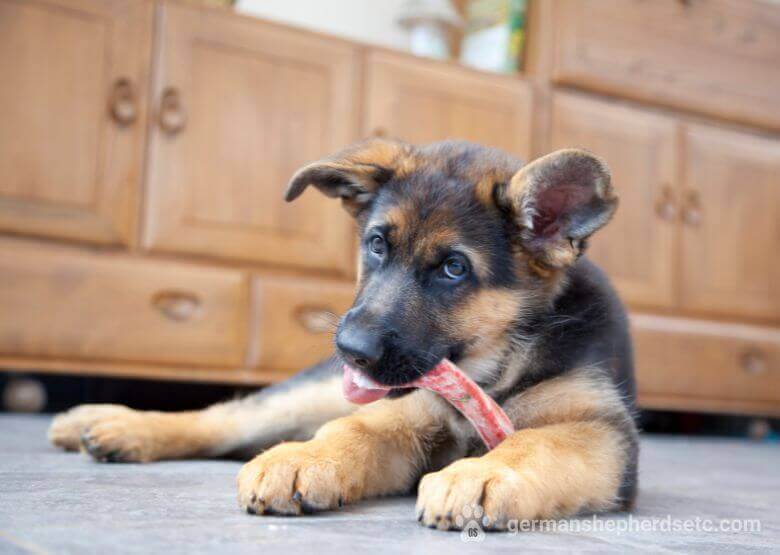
(731, 224)
(637, 248)
(63, 303)
(67, 168)
(423, 102)
(706, 360)
(717, 57)
(296, 320)
(258, 101)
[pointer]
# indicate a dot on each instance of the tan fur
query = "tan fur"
(584, 394)
(484, 319)
(566, 457)
(119, 433)
(554, 471)
(359, 164)
(378, 450)
(303, 408)
(387, 153)
(66, 428)
(401, 220)
(430, 239)
(487, 177)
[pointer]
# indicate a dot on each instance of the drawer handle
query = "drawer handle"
(173, 118)
(317, 319)
(122, 104)
(177, 305)
(753, 362)
(666, 207)
(692, 210)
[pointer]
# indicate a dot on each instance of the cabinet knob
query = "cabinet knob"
(378, 132)
(121, 103)
(753, 362)
(177, 305)
(173, 118)
(692, 215)
(666, 207)
(317, 319)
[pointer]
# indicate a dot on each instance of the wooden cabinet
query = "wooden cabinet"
(637, 248)
(66, 303)
(731, 224)
(239, 106)
(717, 57)
(423, 102)
(203, 272)
(72, 106)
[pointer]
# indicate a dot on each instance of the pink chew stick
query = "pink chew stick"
(449, 381)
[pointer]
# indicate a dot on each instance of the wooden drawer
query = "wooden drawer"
(712, 56)
(62, 303)
(707, 360)
(295, 320)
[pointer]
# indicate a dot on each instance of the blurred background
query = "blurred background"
(147, 257)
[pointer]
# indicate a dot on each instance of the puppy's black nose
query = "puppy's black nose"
(360, 348)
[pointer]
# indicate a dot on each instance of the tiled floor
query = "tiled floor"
(53, 502)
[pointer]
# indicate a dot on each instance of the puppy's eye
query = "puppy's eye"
(377, 245)
(454, 268)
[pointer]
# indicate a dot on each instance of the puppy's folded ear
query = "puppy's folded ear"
(557, 202)
(355, 174)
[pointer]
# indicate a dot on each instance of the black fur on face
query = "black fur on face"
(453, 255)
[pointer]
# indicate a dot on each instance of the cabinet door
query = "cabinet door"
(636, 248)
(423, 102)
(731, 222)
(241, 105)
(72, 93)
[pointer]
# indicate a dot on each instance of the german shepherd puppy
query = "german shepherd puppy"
(465, 254)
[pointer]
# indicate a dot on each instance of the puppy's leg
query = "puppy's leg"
(379, 450)
(575, 450)
(290, 410)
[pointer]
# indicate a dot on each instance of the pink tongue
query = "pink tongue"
(356, 394)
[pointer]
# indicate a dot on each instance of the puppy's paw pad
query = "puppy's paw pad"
(467, 493)
(66, 428)
(124, 438)
(292, 479)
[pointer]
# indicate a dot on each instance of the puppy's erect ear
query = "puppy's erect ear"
(355, 174)
(557, 202)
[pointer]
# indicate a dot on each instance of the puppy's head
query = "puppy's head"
(458, 244)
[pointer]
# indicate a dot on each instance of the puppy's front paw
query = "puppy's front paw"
(446, 499)
(131, 436)
(297, 478)
(66, 428)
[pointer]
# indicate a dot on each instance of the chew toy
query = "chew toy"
(448, 381)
